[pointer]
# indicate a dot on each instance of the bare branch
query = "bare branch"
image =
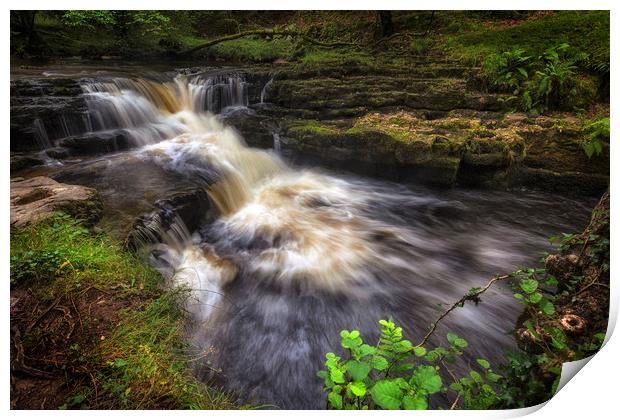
(470, 296)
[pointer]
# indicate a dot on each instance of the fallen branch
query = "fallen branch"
(269, 32)
(474, 296)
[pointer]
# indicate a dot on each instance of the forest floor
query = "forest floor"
(92, 326)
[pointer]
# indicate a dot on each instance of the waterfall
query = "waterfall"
(148, 112)
(263, 92)
(40, 134)
(277, 145)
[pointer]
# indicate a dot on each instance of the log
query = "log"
(270, 32)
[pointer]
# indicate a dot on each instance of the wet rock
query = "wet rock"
(45, 87)
(335, 96)
(20, 161)
(257, 130)
(177, 215)
(43, 110)
(565, 181)
(99, 142)
(58, 152)
(37, 198)
(468, 148)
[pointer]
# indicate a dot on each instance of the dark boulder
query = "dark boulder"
(20, 161)
(99, 142)
(172, 217)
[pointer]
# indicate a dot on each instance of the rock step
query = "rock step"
(36, 121)
(97, 142)
(471, 149)
(45, 87)
(421, 70)
(36, 198)
(181, 212)
(357, 105)
(330, 86)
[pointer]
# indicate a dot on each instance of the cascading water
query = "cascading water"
(265, 90)
(293, 256)
(148, 111)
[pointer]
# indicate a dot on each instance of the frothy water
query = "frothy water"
(150, 111)
(295, 255)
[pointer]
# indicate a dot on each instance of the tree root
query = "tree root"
(41, 315)
(18, 364)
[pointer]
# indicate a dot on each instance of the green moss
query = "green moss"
(336, 57)
(399, 121)
(251, 49)
(313, 127)
(586, 31)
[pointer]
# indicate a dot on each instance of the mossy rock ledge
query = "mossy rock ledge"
(468, 149)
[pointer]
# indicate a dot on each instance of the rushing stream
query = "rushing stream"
(297, 254)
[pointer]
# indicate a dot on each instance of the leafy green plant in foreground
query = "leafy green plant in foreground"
(396, 374)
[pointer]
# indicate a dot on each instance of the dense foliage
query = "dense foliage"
(550, 81)
(396, 374)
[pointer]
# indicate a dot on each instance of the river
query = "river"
(295, 252)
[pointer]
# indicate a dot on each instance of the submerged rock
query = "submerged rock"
(36, 198)
(99, 142)
(173, 218)
(58, 152)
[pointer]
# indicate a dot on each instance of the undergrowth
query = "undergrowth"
(251, 50)
(147, 359)
(550, 81)
(586, 31)
(129, 349)
(62, 251)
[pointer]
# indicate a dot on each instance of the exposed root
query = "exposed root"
(18, 364)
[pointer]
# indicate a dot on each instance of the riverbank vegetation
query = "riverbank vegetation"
(565, 318)
(94, 327)
(546, 60)
(466, 35)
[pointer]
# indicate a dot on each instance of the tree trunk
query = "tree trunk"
(385, 20)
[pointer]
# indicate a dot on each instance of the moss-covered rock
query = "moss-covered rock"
(471, 148)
